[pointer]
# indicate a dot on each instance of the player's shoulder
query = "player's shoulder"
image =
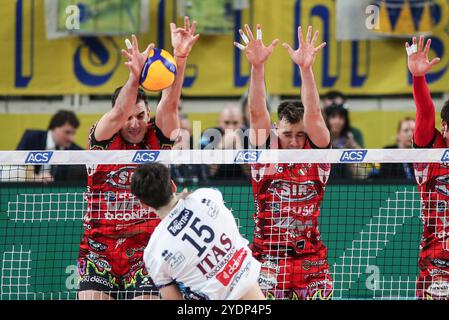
(206, 193)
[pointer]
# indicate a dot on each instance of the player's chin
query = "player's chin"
(134, 137)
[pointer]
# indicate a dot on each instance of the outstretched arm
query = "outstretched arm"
(111, 122)
(183, 39)
(304, 57)
(419, 65)
(257, 55)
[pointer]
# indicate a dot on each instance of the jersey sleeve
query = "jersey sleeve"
(164, 142)
(424, 135)
(98, 145)
(157, 268)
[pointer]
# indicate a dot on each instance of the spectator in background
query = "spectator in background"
(59, 136)
(336, 98)
(337, 120)
(404, 140)
(230, 134)
(187, 174)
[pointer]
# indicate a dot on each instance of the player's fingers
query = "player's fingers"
(172, 27)
(435, 61)
(149, 48)
(321, 46)
(135, 43)
(274, 44)
(427, 48)
(195, 38)
(258, 32)
(300, 37)
(249, 32)
(126, 54)
(240, 46)
(315, 38)
(243, 36)
(421, 44)
(289, 49)
(187, 23)
(309, 34)
(193, 28)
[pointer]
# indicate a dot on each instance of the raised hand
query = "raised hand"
(136, 59)
(183, 39)
(418, 57)
(305, 55)
(256, 52)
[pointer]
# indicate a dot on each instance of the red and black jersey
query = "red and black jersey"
(287, 199)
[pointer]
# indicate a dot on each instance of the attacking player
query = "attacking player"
(116, 229)
(196, 252)
(288, 196)
(432, 178)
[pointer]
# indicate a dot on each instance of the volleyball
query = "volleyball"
(159, 70)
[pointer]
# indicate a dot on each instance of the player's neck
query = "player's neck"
(162, 212)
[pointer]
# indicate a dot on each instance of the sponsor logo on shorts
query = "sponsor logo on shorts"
(353, 156)
(247, 156)
(145, 156)
(41, 157)
(232, 267)
(180, 222)
(97, 246)
(307, 264)
(438, 289)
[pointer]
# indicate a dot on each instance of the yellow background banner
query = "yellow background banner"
(32, 65)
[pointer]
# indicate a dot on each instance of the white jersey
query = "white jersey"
(198, 247)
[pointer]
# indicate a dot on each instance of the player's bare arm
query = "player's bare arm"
(304, 57)
(257, 55)
(182, 39)
(419, 65)
(112, 121)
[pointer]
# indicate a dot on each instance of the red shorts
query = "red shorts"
(305, 278)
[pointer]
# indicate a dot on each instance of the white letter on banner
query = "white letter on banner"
(372, 281)
(372, 20)
(73, 18)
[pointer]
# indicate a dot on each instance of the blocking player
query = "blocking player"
(116, 229)
(287, 196)
(432, 178)
(196, 252)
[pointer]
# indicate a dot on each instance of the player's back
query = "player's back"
(198, 246)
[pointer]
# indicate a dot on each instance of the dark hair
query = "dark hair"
(445, 112)
(291, 110)
(141, 96)
(337, 109)
(402, 121)
(151, 184)
(331, 95)
(62, 117)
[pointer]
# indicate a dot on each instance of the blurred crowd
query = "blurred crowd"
(229, 133)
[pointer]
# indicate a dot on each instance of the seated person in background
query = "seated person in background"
(59, 136)
(404, 140)
(336, 98)
(196, 252)
(187, 174)
(337, 120)
(228, 136)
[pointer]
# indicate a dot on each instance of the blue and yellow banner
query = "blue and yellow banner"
(32, 65)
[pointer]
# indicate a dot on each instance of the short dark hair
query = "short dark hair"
(151, 184)
(62, 117)
(445, 112)
(331, 95)
(141, 96)
(291, 110)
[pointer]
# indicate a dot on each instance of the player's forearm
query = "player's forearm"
(167, 118)
(314, 123)
(425, 112)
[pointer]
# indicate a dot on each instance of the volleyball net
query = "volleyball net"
(370, 219)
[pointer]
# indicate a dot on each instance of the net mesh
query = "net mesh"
(363, 243)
